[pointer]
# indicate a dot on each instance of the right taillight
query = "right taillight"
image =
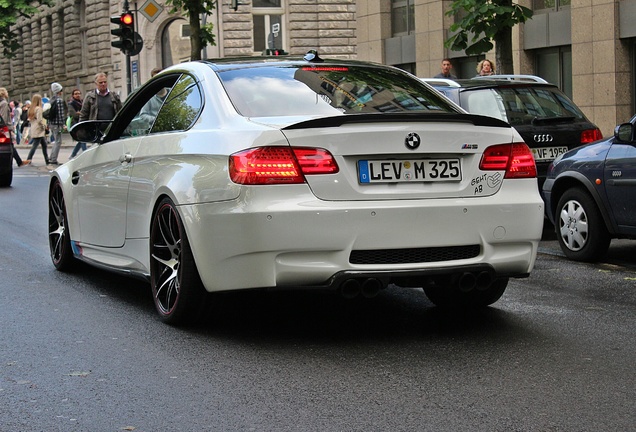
(516, 159)
(591, 135)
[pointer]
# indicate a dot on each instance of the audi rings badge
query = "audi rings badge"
(412, 141)
(543, 138)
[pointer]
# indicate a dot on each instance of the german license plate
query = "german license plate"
(417, 170)
(543, 154)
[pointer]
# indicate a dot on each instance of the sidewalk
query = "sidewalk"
(38, 160)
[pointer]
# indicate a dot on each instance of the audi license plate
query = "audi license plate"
(418, 170)
(543, 154)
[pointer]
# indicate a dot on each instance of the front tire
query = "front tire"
(176, 286)
(580, 228)
(59, 235)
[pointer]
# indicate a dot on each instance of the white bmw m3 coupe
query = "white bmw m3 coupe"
(297, 173)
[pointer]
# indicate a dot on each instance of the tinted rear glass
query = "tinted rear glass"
(520, 105)
(327, 91)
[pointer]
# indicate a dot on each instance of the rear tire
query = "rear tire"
(7, 178)
(452, 296)
(177, 289)
(59, 235)
(580, 228)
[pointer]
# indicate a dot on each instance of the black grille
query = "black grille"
(418, 255)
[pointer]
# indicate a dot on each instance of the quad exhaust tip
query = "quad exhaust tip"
(368, 288)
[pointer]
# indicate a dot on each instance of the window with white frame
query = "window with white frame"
(268, 25)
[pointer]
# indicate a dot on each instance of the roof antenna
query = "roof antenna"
(312, 56)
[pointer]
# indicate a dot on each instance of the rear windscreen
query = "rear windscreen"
(521, 105)
(327, 90)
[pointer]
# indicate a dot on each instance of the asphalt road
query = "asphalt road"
(86, 352)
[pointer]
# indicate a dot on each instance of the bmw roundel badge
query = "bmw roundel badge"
(412, 141)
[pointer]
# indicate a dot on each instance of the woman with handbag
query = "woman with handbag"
(38, 128)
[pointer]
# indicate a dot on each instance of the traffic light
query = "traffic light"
(126, 33)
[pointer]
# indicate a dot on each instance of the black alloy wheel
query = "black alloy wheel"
(176, 286)
(59, 236)
(580, 228)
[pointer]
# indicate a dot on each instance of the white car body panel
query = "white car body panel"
(290, 235)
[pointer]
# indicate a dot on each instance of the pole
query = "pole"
(128, 75)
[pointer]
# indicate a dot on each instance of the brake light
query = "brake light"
(5, 135)
(590, 135)
(279, 165)
(516, 159)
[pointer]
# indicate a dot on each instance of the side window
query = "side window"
(140, 110)
(180, 108)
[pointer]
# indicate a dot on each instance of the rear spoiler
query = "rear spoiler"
(340, 120)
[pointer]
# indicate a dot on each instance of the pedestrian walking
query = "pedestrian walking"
(74, 108)
(57, 120)
(38, 128)
(24, 123)
(15, 118)
(5, 113)
(100, 104)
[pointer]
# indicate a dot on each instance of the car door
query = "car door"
(620, 183)
(101, 184)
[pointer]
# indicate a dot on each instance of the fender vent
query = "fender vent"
(410, 256)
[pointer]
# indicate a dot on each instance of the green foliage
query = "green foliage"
(10, 11)
(485, 21)
(200, 36)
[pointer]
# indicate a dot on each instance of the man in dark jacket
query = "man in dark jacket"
(101, 104)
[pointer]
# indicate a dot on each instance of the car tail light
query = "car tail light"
(279, 165)
(5, 135)
(590, 135)
(516, 159)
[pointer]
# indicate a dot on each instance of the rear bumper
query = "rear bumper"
(261, 240)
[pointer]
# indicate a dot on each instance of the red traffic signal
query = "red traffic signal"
(127, 41)
(127, 19)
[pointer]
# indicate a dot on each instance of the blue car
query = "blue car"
(590, 194)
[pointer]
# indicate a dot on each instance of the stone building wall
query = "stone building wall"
(70, 42)
(53, 50)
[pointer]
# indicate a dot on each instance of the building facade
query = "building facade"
(71, 41)
(587, 47)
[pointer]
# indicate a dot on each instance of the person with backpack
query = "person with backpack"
(57, 120)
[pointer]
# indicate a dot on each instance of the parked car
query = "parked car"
(590, 194)
(298, 173)
(549, 122)
(6, 155)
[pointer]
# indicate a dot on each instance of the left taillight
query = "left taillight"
(5, 135)
(516, 159)
(279, 165)
(591, 135)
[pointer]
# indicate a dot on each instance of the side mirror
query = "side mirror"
(91, 131)
(624, 133)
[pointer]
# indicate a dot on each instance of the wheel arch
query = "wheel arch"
(573, 179)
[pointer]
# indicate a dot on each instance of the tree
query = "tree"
(10, 12)
(487, 21)
(200, 36)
